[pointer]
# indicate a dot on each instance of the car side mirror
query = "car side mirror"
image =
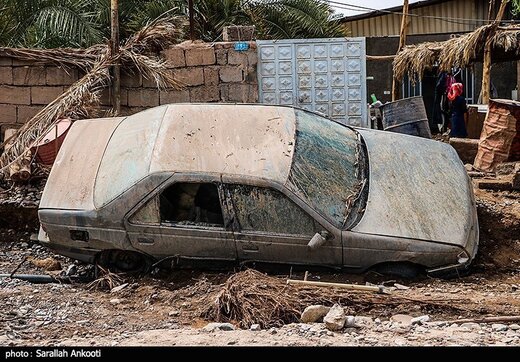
(318, 240)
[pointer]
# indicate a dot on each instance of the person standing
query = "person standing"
(458, 110)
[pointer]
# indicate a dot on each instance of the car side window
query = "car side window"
(196, 204)
(263, 209)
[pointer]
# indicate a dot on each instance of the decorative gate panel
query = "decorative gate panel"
(322, 75)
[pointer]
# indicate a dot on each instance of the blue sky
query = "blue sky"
(376, 4)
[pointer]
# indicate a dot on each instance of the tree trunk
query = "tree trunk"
(116, 85)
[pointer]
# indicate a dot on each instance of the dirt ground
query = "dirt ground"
(173, 309)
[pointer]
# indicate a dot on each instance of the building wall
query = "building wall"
(211, 73)
(452, 11)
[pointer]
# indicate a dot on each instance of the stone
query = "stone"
(221, 55)
(238, 92)
(60, 76)
(205, 94)
(199, 55)
(25, 113)
(6, 75)
(115, 301)
(211, 76)
(514, 327)
(174, 96)
(231, 74)
(15, 95)
(400, 286)
(29, 75)
(335, 318)
(363, 321)
(214, 326)
(515, 183)
(175, 57)
(420, 320)
(350, 322)
(466, 148)
(507, 168)
(238, 33)
(143, 97)
(471, 326)
(498, 327)
(45, 95)
(403, 319)
(118, 288)
(255, 327)
(71, 270)
(314, 313)
(189, 76)
(237, 58)
(131, 80)
(7, 113)
(496, 185)
(174, 313)
(273, 331)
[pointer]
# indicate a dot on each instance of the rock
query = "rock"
(273, 331)
(498, 327)
(335, 318)
(403, 319)
(211, 327)
(400, 286)
(471, 326)
(314, 313)
(71, 270)
(174, 313)
(118, 288)
(48, 264)
(115, 301)
(24, 245)
(350, 322)
(420, 320)
(362, 321)
(514, 327)
(255, 327)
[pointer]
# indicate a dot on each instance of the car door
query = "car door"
(272, 228)
(183, 220)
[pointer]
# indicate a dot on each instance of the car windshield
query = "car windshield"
(328, 168)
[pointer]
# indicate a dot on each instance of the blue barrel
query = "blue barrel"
(406, 116)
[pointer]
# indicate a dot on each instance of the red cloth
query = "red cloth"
(455, 91)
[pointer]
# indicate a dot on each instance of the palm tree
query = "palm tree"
(80, 23)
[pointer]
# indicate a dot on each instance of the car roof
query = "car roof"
(232, 139)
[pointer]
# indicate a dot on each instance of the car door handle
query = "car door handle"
(145, 240)
(249, 247)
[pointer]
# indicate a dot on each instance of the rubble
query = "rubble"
(314, 313)
(212, 327)
(335, 318)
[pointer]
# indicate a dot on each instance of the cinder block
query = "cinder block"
(5, 61)
(238, 33)
(61, 76)
(231, 74)
(200, 55)
(224, 45)
(252, 96)
(252, 57)
(6, 75)
(29, 75)
(45, 95)
(131, 80)
(143, 97)
(205, 94)
(7, 113)
(106, 97)
(174, 96)
(238, 93)
(190, 76)
(466, 148)
(222, 56)
(25, 113)
(211, 75)
(15, 95)
(237, 58)
(175, 57)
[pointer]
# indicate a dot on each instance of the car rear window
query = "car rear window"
(325, 168)
(128, 155)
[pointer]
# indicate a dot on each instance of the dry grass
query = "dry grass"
(460, 51)
(251, 297)
(106, 281)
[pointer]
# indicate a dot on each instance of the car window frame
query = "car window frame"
(176, 179)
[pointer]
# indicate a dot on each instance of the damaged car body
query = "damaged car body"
(200, 183)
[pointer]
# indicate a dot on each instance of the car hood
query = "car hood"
(418, 189)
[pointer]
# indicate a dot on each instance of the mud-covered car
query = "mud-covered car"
(205, 184)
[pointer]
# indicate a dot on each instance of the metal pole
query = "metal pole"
(114, 27)
(192, 24)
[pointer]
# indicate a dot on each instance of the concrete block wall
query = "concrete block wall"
(210, 73)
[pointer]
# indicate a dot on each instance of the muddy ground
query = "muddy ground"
(172, 309)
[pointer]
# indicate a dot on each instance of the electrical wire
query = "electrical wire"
(462, 21)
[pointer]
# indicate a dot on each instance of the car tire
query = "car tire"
(125, 261)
